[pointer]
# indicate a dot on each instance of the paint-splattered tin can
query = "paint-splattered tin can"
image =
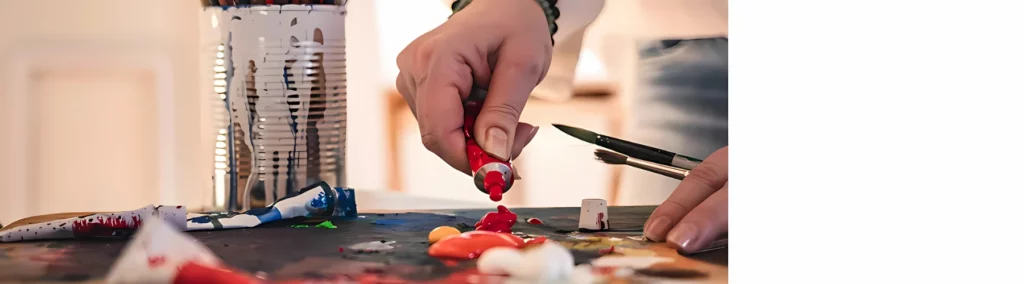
(278, 87)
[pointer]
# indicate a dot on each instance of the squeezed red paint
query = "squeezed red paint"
(495, 184)
(470, 245)
(608, 250)
(494, 181)
(500, 221)
(103, 226)
(195, 273)
(534, 221)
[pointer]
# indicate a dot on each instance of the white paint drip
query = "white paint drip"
(373, 246)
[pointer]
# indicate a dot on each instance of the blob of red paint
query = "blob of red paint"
(195, 273)
(470, 245)
(534, 221)
(495, 183)
(103, 226)
(341, 249)
(501, 221)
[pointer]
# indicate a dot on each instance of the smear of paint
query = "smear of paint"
(501, 221)
(537, 240)
(634, 262)
(609, 250)
(326, 224)
(470, 245)
(87, 227)
(534, 221)
(300, 226)
(389, 222)
(201, 219)
(373, 246)
(320, 202)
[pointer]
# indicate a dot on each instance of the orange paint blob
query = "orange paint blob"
(501, 221)
(470, 245)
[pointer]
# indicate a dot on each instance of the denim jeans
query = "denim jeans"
(680, 104)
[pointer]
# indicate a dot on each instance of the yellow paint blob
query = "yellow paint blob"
(440, 232)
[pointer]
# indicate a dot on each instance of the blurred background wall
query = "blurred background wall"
(102, 109)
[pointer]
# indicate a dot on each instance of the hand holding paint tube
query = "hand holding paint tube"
(491, 175)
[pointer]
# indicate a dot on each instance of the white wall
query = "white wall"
(99, 106)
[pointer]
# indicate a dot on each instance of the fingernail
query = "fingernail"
(515, 174)
(683, 236)
(496, 143)
(533, 133)
(656, 230)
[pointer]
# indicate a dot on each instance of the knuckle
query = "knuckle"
(708, 174)
(527, 67)
(672, 207)
(431, 141)
(503, 112)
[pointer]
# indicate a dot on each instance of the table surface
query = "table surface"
(284, 252)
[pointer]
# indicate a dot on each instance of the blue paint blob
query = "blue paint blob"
(272, 215)
(200, 220)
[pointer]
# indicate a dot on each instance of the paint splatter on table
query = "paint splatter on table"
(284, 252)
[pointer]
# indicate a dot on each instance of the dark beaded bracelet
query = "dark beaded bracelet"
(551, 13)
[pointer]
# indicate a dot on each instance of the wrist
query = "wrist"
(548, 7)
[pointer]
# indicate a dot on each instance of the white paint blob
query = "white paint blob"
(548, 263)
(499, 261)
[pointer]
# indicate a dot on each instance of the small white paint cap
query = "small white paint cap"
(594, 214)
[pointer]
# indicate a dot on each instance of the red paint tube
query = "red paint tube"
(491, 175)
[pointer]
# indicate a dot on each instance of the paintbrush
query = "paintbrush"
(614, 158)
(631, 149)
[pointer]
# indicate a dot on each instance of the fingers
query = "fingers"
(526, 133)
(703, 225)
(516, 73)
(407, 89)
(707, 178)
(439, 109)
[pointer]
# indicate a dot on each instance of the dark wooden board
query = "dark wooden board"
(284, 252)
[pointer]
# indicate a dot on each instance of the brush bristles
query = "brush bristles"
(609, 157)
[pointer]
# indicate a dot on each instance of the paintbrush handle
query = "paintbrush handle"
(684, 162)
(664, 170)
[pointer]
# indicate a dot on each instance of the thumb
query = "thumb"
(517, 71)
